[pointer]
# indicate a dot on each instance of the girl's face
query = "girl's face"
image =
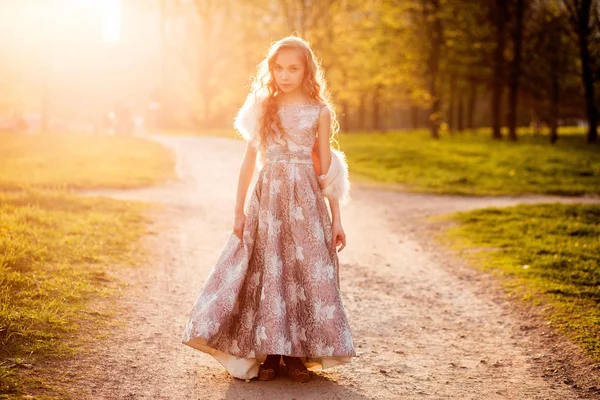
(288, 70)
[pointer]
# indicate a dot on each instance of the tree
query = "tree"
(467, 60)
(499, 15)
(515, 67)
(583, 16)
(551, 69)
(433, 20)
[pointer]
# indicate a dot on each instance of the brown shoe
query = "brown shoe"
(270, 368)
(299, 375)
(296, 369)
(266, 374)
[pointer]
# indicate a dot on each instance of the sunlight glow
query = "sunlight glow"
(110, 11)
(111, 20)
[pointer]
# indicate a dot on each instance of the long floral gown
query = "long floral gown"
(277, 290)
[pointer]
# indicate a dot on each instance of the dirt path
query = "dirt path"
(420, 330)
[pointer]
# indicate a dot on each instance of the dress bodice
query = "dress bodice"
(300, 125)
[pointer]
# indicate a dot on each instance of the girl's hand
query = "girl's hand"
(339, 237)
(238, 225)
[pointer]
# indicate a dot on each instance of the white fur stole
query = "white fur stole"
(336, 183)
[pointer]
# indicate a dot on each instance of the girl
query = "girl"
(273, 295)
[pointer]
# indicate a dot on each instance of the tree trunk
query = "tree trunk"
(515, 71)
(471, 106)
(414, 117)
(460, 123)
(588, 84)
(586, 71)
(452, 105)
(556, 72)
(579, 15)
(362, 113)
(344, 120)
(376, 108)
(434, 64)
(554, 109)
(499, 16)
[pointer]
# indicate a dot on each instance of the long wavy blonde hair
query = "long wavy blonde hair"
(313, 84)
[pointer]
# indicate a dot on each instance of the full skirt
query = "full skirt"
(277, 290)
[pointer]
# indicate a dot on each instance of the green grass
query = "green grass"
(473, 164)
(552, 254)
(55, 251)
(77, 161)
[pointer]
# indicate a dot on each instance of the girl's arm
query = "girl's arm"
(246, 172)
(324, 133)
